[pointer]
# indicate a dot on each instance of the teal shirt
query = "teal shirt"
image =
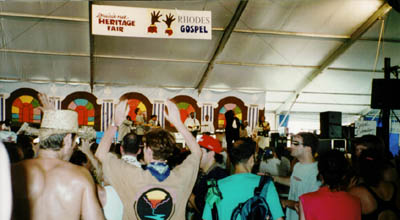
(238, 188)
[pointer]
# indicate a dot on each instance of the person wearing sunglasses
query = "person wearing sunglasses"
(304, 175)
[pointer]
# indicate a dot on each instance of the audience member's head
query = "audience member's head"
(130, 144)
(212, 149)
(268, 153)
(371, 167)
(58, 129)
(162, 144)
(305, 142)
(368, 142)
(242, 150)
(333, 168)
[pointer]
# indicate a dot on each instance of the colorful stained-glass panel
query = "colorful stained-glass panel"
(25, 109)
(185, 109)
(85, 110)
(229, 106)
(134, 104)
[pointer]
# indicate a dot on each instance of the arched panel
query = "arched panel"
(137, 100)
(85, 104)
(226, 104)
(186, 105)
(23, 106)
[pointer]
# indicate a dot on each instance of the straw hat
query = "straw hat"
(58, 122)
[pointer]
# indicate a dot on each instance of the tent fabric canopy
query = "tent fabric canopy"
(277, 49)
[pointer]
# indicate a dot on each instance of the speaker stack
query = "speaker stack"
(331, 125)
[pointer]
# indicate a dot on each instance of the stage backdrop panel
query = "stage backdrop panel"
(226, 104)
(85, 104)
(23, 106)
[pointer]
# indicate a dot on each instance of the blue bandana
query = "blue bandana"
(159, 170)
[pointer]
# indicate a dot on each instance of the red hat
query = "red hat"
(210, 143)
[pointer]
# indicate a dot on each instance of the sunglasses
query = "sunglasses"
(296, 143)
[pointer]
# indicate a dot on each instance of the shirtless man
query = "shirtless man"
(48, 187)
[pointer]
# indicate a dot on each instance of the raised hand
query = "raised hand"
(155, 16)
(46, 104)
(85, 146)
(169, 19)
(121, 111)
(173, 114)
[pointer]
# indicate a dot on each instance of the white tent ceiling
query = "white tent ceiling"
(322, 50)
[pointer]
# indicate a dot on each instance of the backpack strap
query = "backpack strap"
(214, 212)
(214, 195)
(260, 187)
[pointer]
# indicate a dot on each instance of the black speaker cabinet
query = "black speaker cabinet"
(331, 124)
(395, 4)
(384, 92)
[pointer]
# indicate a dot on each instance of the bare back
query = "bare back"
(54, 189)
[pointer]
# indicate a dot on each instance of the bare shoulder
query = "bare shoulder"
(359, 191)
(368, 203)
(75, 172)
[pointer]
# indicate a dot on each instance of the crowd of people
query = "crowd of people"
(145, 174)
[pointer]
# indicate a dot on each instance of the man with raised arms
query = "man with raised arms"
(161, 191)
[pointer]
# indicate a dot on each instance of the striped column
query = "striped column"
(207, 109)
(56, 102)
(2, 108)
(158, 109)
(107, 110)
(252, 116)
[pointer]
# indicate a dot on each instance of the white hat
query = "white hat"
(58, 122)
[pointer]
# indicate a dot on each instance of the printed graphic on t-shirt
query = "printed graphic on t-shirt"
(154, 204)
(297, 178)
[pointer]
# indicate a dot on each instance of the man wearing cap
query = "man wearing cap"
(48, 187)
(239, 187)
(210, 168)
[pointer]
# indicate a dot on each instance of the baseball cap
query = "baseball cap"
(210, 143)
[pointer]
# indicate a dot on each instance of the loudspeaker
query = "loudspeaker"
(395, 4)
(383, 93)
(331, 124)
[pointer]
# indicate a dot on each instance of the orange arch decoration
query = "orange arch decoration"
(85, 104)
(226, 104)
(23, 106)
(186, 105)
(137, 100)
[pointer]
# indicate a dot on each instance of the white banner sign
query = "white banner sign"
(364, 128)
(394, 126)
(150, 22)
